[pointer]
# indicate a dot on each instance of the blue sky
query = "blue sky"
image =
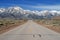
(32, 4)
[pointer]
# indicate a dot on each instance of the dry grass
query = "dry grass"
(6, 25)
(51, 24)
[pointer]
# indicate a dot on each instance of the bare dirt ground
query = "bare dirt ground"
(6, 25)
(50, 25)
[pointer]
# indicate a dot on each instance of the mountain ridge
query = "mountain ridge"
(19, 13)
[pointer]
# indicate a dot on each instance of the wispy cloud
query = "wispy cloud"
(52, 7)
(42, 6)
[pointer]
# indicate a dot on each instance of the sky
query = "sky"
(32, 4)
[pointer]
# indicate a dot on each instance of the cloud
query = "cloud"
(43, 6)
(51, 7)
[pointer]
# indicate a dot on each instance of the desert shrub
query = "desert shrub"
(1, 24)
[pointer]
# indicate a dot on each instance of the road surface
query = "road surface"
(30, 31)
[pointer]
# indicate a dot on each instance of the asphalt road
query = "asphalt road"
(30, 31)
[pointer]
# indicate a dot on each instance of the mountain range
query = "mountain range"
(17, 12)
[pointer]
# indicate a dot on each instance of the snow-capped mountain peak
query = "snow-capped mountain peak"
(15, 9)
(2, 10)
(18, 8)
